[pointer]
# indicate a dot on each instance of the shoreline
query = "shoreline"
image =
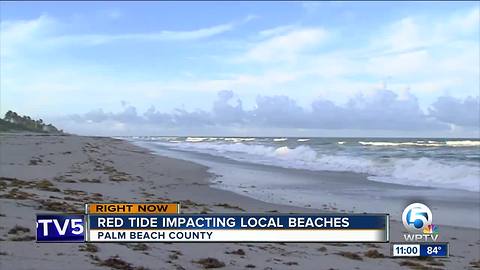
(322, 190)
(448, 164)
(60, 173)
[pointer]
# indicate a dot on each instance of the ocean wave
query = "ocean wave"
(428, 172)
(423, 143)
(463, 143)
(280, 139)
(235, 140)
(303, 140)
(379, 143)
(195, 139)
(408, 171)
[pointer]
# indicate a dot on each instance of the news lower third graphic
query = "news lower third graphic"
(238, 228)
(420, 241)
(161, 222)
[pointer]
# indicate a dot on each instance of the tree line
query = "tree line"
(14, 121)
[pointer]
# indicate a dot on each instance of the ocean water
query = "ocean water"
(437, 163)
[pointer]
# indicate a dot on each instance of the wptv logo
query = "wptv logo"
(417, 219)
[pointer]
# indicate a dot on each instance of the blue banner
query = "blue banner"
(235, 222)
(60, 228)
(434, 250)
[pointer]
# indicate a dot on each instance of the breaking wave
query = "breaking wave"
(466, 143)
(408, 171)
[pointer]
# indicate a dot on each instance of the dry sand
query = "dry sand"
(41, 173)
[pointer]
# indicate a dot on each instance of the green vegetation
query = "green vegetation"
(14, 122)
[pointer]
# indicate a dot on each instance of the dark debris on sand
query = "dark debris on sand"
(322, 249)
(89, 248)
(20, 234)
(239, 251)
(417, 266)
(475, 264)
(139, 246)
(58, 206)
(350, 255)
(23, 238)
(228, 206)
(18, 229)
(209, 262)
(373, 253)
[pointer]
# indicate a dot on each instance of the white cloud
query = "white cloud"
(44, 32)
(285, 46)
(422, 33)
(425, 54)
(16, 35)
(404, 35)
(276, 30)
(97, 39)
(457, 112)
(381, 110)
(400, 64)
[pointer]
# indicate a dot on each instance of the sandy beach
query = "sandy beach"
(55, 173)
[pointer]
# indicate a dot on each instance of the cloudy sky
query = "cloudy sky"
(248, 68)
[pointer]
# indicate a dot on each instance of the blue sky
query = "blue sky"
(99, 67)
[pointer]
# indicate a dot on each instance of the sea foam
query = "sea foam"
(399, 170)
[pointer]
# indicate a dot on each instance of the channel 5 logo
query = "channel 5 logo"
(60, 228)
(417, 219)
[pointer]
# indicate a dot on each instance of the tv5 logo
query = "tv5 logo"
(60, 228)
